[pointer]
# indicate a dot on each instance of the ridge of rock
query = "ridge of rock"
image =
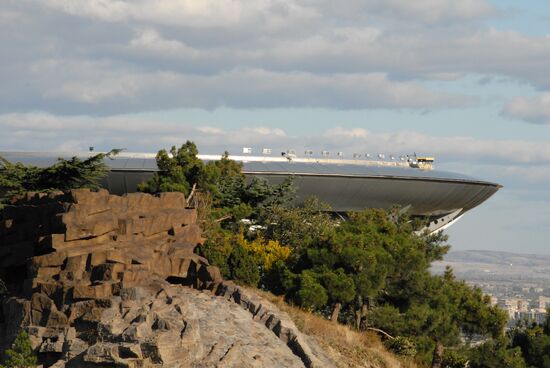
(100, 280)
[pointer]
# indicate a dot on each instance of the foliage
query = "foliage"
(401, 346)
(299, 227)
(242, 267)
(16, 179)
(310, 295)
(230, 195)
(534, 343)
(455, 359)
(265, 253)
(377, 260)
(496, 353)
(370, 270)
(21, 354)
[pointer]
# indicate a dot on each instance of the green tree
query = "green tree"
(339, 287)
(21, 354)
(16, 179)
(231, 196)
(242, 266)
(310, 293)
(497, 353)
(534, 342)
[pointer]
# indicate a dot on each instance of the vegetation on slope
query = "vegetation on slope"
(17, 179)
(370, 272)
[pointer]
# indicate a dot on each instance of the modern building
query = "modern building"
(346, 184)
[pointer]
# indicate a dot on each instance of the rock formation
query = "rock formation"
(100, 280)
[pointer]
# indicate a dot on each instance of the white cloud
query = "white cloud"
(535, 110)
(101, 85)
(139, 133)
(128, 56)
(431, 10)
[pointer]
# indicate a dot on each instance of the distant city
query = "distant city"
(518, 283)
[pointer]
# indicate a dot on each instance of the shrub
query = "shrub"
(21, 354)
(402, 346)
(311, 294)
(242, 267)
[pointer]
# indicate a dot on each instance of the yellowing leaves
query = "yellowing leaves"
(265, 254)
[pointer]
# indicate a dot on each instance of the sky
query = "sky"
(465, 81)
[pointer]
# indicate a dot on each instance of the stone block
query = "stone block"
(160, 222)
(98, 258)
(188, 234)
(172, 200)
(87, 197)
(99, 291)
(49, 260)
(142, 202)
(107, 272)
(118, 256)
(186, 216)
(76, 264)
(182, 250)
(47, 273)
(100, 224)
(41, 307)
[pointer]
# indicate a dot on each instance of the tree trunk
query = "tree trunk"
(336, 312)
(360, 315)
(438, 355)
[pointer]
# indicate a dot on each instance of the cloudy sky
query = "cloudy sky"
(466, 81)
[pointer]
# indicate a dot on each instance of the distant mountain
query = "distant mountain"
(477, 265)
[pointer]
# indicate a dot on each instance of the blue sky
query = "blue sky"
(467, 81)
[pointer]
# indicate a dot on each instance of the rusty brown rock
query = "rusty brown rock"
(191, 234)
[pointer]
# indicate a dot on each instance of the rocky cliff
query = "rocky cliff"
(100, 280)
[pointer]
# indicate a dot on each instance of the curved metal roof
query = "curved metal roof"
(146, 162)
(346, 170)
(345, 186)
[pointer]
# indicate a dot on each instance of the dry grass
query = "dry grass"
(348, 348)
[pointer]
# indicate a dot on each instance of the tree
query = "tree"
(497, 353)
(231, 196)
(242, 266)
(21, 354)
(311, 294)
(16, 179)
(534, 342)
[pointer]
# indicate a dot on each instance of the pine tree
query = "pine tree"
(21, 354)
(16, 179)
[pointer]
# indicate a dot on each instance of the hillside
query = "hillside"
(98, 280)
(476, 265)
(346, 347)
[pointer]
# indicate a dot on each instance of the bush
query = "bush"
(311, 294)
(21, 354)
(402, 346)
(242, 267)
(453, 359)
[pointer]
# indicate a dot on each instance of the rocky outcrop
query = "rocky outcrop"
(113, 281)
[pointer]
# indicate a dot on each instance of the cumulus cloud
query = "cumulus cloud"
(535, 110)
(139, 133)
(103, 87)
(118, 56)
